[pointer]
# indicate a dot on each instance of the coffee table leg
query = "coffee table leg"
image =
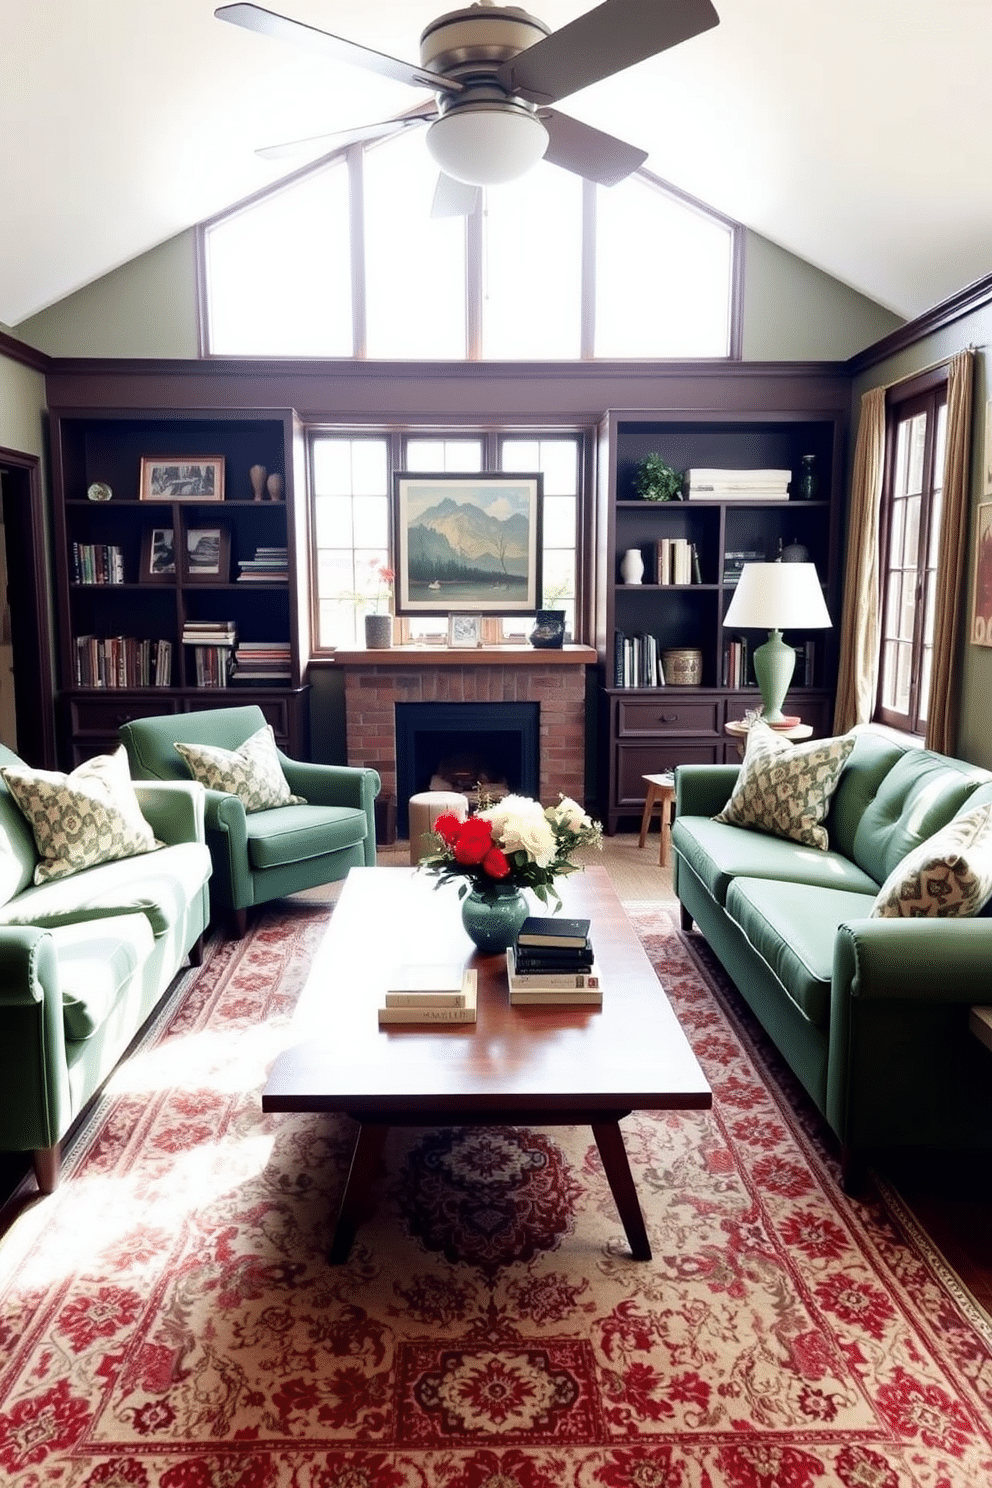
(609, 1140)
(364, 1168)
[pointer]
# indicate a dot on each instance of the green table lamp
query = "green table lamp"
(777, 597)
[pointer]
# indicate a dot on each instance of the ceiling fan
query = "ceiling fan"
(494, 71)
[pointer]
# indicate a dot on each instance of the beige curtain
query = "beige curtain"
(951, 583)
(857, 676)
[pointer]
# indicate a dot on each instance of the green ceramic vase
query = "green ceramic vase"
(492, 918)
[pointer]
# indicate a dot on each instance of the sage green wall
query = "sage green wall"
(795, 312)
(147, 308)
(974, 740)
(22, 407)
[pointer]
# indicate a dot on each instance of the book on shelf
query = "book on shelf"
(734, 560)
(257, 661)
(429, 1014)
(706, 484)
(587, 979)
(674, 561)
(270, 565)
(555, 931)
(638, 661)
(121, 661)
(210, 633)
(736, 662)
(428, 986)
(97, 563)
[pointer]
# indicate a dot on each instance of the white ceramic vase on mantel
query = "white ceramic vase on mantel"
(632, 566)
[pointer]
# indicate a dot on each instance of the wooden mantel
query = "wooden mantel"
(433, 656)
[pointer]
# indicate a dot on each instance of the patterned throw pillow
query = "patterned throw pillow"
(785, 789)
(948, 875)
(91, 816)
(252, 772)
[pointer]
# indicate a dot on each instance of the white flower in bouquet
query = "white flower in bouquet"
(519, 825)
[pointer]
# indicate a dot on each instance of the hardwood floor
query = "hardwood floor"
(950, 1199)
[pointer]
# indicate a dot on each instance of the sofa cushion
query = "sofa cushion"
(97, 960)
(91, 816)
(299, 833)
(785, 789)
(871, 759)
(159, 886)
(718, 854)
(793, 928)
(252, 771)
(949, 875)
(918, 796)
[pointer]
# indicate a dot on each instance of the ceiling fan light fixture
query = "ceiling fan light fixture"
(487, 144)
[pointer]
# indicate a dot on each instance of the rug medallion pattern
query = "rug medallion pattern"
(168, 1318)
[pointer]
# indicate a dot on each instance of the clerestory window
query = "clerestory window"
(345, 260)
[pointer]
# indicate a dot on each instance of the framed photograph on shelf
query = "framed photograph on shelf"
(981, 604)
(467, 542)
(465, 630)
(158, 556)
(182, 478)
(207, 555)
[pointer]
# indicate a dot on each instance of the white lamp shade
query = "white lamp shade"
(486, 145)
(778, 596)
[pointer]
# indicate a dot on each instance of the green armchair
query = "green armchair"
(262, 855)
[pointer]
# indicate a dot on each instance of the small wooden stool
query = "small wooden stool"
(660, 792)
(425, 808)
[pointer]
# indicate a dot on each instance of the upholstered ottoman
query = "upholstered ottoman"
(425, 809)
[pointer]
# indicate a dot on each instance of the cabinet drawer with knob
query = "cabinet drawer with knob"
(105, 715)
(634, 761)
(667, 715)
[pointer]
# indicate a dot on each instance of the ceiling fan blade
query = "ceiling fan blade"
(337, 139)
(588, 152)
(606, 40)
(454, 198)
(267, 23)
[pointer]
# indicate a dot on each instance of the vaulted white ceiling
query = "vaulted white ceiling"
(854, 133)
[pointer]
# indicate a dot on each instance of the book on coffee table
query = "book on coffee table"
(554, 931)
(421, 985)
(583, 988)
(427, 1012)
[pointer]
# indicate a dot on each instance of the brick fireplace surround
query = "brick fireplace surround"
(375, 681)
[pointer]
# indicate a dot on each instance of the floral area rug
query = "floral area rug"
(168, 1318)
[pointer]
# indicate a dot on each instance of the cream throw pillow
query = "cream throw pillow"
(785, 789)
(252, 772)
(948, 875)
(91, 816)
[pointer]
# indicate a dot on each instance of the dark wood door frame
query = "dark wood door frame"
(30, 596)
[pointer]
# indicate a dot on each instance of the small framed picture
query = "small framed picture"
(158, 556)
(465, 630)
(981, 605)
(183, 478)
(207, 555)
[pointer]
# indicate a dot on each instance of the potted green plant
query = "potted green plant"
(656, 481)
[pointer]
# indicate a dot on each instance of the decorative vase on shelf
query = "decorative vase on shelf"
(378, 632)
(492, 918)
(809, 479)
(274, 487)
(549, 630)
(632, 566)
(257, 475)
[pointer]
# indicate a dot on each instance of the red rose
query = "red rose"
(496, 864)
(446, 826)
(472, 842)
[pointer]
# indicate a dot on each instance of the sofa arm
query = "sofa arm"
(703, 790)
(174, 809)
(914, 960)
(227, 839)
(337, 785)
(37, 1105)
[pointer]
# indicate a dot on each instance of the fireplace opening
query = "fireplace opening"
(463, 746)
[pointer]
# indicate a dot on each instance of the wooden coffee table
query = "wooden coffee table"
(518, 1066)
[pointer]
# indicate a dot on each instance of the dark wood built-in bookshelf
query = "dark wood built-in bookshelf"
(647, 729)
(122, 618)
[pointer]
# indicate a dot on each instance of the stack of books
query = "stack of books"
(637, 661)
(97, 563)
(213, 643)
(677, 561)
(263, 661)
(738, 485)
(430, 994)
(552, 960)
(269, 566)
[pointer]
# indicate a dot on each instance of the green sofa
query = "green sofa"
(263, 855)
(84, 960)
(870, 1014)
